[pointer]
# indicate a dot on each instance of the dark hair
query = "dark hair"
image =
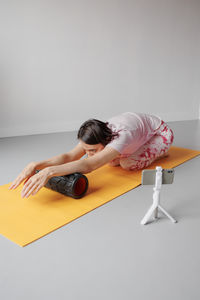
(94, 132)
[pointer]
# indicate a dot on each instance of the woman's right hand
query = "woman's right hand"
(28, 171)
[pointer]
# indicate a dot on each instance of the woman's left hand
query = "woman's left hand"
(35, 183)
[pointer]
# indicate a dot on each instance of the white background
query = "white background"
(62, 62)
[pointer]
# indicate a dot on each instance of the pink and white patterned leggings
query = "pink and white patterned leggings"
(156, 147)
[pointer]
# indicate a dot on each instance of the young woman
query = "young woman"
(131, 140)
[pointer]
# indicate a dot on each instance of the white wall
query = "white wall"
(62, 62)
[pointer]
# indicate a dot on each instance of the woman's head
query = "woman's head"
(95, 132)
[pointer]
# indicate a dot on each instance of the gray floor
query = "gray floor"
(107, 254)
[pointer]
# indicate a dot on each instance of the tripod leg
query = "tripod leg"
(167, 214)
(156, 213)
(148, 215)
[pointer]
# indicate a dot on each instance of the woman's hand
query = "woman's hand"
(35, 183)
(28, 171)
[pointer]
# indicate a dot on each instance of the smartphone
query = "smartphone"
(149, 176)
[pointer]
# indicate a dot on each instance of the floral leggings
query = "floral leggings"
(156, 147)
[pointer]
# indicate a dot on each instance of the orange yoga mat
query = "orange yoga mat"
(24, 220)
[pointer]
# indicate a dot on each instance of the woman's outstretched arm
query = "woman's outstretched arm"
(76, 153)
(87, 165)
(61, 159)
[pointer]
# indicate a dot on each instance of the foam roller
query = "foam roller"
(74, 185)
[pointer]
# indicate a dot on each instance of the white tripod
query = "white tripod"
(156, 200)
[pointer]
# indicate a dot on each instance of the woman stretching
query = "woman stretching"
(130, 140)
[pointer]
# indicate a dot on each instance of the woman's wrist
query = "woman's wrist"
(33, 164)
(50, 171)
(47, 172)
(39, 165)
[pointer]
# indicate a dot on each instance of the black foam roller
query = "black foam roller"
(74, 185)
